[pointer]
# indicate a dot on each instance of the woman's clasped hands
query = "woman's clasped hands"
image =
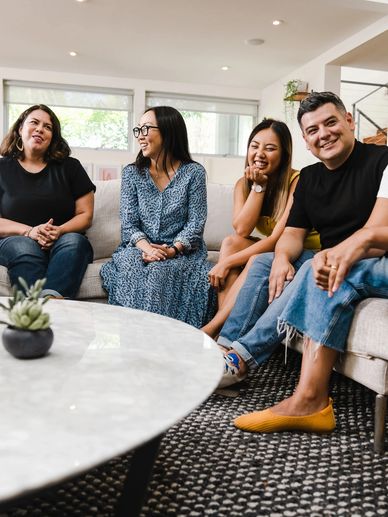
(45, 234)
(158, 252)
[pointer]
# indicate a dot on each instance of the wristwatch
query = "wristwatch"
(258, 188)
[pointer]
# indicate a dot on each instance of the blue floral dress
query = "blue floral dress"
(176, 287)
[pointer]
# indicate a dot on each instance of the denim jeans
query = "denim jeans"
(63, 265)
(327, 320)
(251, 328)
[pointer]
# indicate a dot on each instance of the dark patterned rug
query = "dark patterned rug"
(206, 467)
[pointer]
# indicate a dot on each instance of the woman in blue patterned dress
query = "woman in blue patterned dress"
(160, 265)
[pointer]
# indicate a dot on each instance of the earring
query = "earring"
(19, 146)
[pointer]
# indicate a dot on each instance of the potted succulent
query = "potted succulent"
(28, 333)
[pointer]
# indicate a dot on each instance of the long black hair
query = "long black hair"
(275, 199)
(175, 144)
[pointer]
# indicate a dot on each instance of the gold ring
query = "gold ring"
(334, 267)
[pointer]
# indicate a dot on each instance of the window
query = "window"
(94, 118)
(214, 125)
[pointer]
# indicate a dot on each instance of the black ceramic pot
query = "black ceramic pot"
(27, 344)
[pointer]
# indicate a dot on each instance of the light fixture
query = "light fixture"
(81, 1)
(225, 68)
(72, 53)
(277, 22)
(254, 41)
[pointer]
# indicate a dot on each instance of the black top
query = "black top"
(33, 199)
(339, 202)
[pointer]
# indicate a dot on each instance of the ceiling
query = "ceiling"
(372, 55)
(180, 40)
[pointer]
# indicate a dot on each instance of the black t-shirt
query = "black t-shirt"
(339, 202)
(35, 198)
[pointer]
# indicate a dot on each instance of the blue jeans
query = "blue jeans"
(251, 328)
(63, 265)
(327, 320)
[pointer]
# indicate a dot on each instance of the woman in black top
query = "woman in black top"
(46, 204)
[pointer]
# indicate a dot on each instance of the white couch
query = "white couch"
(104, 234)
(366, 359)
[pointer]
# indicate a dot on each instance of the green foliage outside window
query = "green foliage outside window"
(86, 127)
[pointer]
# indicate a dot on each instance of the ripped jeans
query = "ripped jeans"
(251, 328)
(326, 320)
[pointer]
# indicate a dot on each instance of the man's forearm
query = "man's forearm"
(376, 238)
(290, 245)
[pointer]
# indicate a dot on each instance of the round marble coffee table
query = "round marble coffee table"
(115, 379)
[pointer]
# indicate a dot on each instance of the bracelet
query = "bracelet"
(177, 252)
(27, 232)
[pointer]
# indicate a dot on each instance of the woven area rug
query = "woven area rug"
(207, 467)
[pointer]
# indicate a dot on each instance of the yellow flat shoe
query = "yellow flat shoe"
(269, 422)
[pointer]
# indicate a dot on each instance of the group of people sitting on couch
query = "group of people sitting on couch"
(324, 237)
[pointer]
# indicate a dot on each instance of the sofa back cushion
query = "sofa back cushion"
(104, 234)
(219, 214)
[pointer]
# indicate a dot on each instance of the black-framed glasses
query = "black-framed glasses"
(143, 130)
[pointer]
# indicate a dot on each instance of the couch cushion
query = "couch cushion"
(91, 287)
(104, 234)
(5, 284)
(368, 334)
(219, 214)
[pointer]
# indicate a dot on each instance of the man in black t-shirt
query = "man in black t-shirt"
(345, 197)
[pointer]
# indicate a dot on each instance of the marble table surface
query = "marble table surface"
(113, 379)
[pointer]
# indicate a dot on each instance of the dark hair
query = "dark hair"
(278, 184)
(317, 99)
(58, 149)
(175, 144)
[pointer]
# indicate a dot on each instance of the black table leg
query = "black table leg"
(138, 476)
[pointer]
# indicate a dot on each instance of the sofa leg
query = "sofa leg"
(380, 412)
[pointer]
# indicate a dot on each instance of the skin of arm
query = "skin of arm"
(220, 271)
(287, 250)
(246, 211)
(9, 228)
(368, 242)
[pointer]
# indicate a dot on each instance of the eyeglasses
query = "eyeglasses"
(143, 130)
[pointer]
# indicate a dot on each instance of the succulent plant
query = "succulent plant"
(25, 310)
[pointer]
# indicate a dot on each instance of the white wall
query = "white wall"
(374, 101)
(321, 75)
(220, 169)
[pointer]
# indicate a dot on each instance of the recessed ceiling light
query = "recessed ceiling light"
(80, 1)
(72, 53)
(277, 22)
(254, 41)
(225, 68)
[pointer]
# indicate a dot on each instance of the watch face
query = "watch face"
(258, 188)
